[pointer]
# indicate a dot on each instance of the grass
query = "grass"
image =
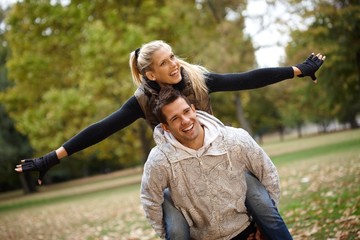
(320, 179)
(288, 158)
(321, 196)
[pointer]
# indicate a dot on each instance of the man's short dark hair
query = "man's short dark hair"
(166, 96)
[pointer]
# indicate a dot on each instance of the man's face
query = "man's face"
(183, 124)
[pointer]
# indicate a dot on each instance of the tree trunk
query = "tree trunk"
(353, 123)
(298, 129)
(145, 141)
(28, 183)
(281, 133)
(240, 114)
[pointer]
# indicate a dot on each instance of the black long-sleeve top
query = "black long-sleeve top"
(131, 110)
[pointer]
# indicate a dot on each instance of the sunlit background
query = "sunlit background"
(64, 66)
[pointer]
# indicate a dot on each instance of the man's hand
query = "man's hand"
(256, 236)
(311, 65)
(42, 164)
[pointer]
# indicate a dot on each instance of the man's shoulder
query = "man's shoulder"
(157, 156)
(236, 136)
(235, 132)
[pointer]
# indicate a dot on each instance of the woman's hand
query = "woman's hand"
(41, 164)
(309, 66)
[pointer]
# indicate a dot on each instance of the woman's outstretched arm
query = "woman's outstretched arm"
(95, 133)
(248, 80)
(264, 76)
(123, 117)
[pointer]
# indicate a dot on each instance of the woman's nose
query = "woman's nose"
(173, 62)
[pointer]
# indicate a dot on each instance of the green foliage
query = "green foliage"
(69, 66)
(334, 31)
(13, 145)
(229, 50)
(263, 113)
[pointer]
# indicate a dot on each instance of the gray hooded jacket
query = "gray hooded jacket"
(207, 185)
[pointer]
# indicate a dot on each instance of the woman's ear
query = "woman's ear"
(150, 75)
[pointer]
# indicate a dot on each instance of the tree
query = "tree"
(230, 51)
(334, 29)
(13, 145)
(263, 114)
(69, 66)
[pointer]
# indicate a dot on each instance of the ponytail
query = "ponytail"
(135, 73)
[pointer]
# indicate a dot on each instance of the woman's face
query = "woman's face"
(165, 68)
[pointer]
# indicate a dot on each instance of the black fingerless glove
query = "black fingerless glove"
(310, 66)
(42, 164)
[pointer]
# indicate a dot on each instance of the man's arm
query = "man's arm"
(153, 183)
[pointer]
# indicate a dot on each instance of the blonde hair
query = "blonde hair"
(141, 63)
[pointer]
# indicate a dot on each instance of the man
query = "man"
(203, 164)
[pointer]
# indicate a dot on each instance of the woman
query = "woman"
(153, 66)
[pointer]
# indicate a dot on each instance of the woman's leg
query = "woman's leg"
(176, 227)
(262, 208)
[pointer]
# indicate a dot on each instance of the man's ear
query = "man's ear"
(192, 107)
(150, 75)
(165, 127)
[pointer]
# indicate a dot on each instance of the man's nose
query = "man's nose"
(184, 120)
